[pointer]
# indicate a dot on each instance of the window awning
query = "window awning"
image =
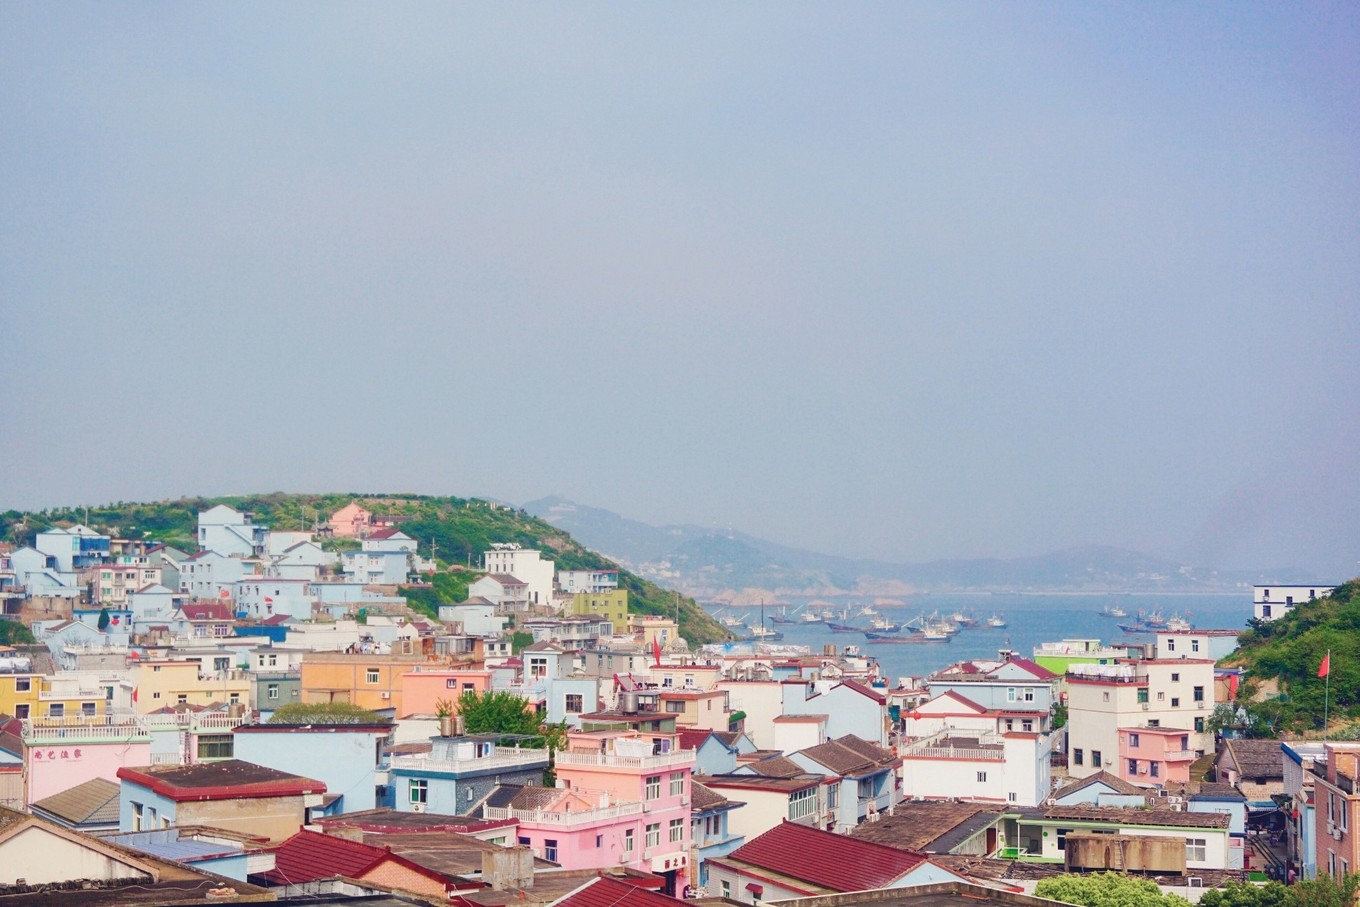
(755, 889)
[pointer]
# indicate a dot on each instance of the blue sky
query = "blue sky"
(901, 280)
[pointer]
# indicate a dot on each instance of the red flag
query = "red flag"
(1326, 667)
(656, 650)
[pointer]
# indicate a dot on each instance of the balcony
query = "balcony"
(1179, 756)
(42, 731)
(610, 760)
(503, 757)
(564, 819)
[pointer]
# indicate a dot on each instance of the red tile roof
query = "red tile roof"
(207, 611)
(691, 738)
(608, 892)
(308, 856)
(826, 859)
(1039, 671)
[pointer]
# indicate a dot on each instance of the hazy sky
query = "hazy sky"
(904, 280)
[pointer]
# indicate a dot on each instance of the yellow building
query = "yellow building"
(368, 681)
(652, 629)
(157, 684)
(611, 606)
(62, 696)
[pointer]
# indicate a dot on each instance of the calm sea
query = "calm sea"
(1031, 620)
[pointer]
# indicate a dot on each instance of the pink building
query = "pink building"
(61, 753)
(624, 800)
(421, 690)
(1155, 755)
(350, 521)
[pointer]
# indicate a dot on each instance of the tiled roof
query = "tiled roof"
(1033, 667)
(776, 767)
(94, 802)
(1137, 816)
(704, 799)
(871, 751)
(691, 738)
(1114, 782)
(506, 579)
(916, 823)
(1257, 758)
(607, 892)
(532, 798)
(308, 856)
(207, 611)
(839, 759)
(826, 859)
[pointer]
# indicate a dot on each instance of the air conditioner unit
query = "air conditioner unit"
(1145, 706)
(386, 695)
(1337, 834)
(625, 858)
(646, 807)
(417, 807)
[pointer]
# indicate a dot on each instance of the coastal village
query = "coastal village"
(265, 718)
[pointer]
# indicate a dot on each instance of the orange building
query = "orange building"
(369, 681)
(421, 690)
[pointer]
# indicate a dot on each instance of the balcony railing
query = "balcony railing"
(969, 753)
(564, 819)
(659, 760)
(45, 731)
(503, 757)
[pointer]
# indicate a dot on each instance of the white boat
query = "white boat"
(996, 623)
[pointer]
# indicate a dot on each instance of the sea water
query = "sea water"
(1030, 619)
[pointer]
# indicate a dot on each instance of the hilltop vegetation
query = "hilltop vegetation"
(456, 530)
(1285, 655)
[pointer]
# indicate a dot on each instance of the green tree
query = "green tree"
(13, 633)
(104, 619)
(1324, 891)
(1246, 894)
(301, 713)
(520, 640)
(495, 712)
(1106, 889)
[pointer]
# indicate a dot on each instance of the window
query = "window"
(677, 830)
(1142, 695)
(371, 675)
(833, 796)
(802, 803)
(982, 777)
(137, 816)
(56, 710)
(1027, 725)
(1198, 694)
(1175, 677)
(1171, 646)
(1133, 766)
(1199, 725)
(87, 709)
(1077, 757)
(1194, 645)
(1010, 724)
(1175, 702)
(1029, 695)
(273, 660)
(599, 841)
(1161, 697)
(1133, 741)
(677, 784)
(216, 746)
(21, 710)
(675, 708)
(1062, 838)
(653, 791)
(272, 691)
(182, 698)
(1154, 722)
(1095, 758)
(1105, 696)
(575, 703)
(726, 888)
(1155, 769)
(420, 790)
(1010, 694)
(23, 684)
(550, 850)
(628, 840)
(1196, 850)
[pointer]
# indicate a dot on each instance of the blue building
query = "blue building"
(344, 756)
(708, 825)
(861, 778)
(459, 771)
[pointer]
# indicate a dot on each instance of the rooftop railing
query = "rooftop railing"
(503, 757)
(563, 819)
(658, 760)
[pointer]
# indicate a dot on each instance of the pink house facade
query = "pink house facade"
(350, 522)
(421, 690)
(59, 754)
(623, 800)
(1155, 755)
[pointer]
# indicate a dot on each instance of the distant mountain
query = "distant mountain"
(707, 563)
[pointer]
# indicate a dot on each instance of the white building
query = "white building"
(1003, 768)
(208, 573)
(228, 531)
(1274, 602)
(264, 596)
(592, 582)
(1101, 699)
(523, 564)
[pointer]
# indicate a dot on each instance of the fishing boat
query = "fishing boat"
(882, 625)
(1176, 622)
(884, 638)
(1114, 611)
(935, 634)
(811, 617)
(959, 619)
(843, 628)
(765, 634)
(732, 622)
(782, 617)
(995, 622)
(1137, 628)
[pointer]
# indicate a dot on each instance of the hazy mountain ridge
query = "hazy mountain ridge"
(705, 561)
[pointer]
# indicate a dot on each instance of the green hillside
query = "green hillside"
(458, 529)
(1285, 655)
